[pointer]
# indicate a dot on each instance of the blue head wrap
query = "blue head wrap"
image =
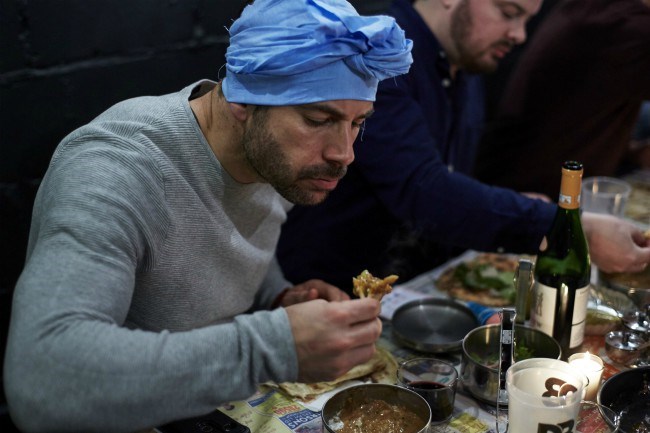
(289, 52)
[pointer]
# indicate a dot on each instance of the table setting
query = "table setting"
(272, 410)
(434, 349)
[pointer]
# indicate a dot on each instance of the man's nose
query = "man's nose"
(340, 149)
(517, 32)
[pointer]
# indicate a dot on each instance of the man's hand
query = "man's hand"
(308, 291)
(537, 196)
(333, 337)
(615, 245)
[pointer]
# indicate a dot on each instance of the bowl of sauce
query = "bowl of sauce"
(376, 408)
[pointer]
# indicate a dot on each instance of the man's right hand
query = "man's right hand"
(333, 337)
(615, 245)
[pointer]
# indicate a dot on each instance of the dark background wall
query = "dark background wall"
(63, 62)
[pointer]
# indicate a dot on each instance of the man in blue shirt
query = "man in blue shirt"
(407, 203)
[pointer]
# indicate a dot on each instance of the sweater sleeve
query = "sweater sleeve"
(274, 283)
(72, 364)
(407, 173)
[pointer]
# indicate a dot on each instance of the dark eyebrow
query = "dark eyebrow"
(331, 110)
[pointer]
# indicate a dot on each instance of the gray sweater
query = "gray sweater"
(144, 260)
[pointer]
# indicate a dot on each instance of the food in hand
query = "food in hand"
(368, 286)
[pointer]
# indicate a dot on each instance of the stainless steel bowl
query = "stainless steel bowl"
(432, 325)
(391, 394)
(481, 346)
(624, 347)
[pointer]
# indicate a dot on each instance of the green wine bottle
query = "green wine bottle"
(563, 270)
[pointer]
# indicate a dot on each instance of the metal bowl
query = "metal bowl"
(481, 346)
(432, 325)
(356, 395)
(628, 393)
(635, 286)
(624, 347)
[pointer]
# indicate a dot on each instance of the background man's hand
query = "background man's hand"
(615, 245)
(537, 196)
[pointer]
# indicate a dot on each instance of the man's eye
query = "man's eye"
(330, 121)
(509, 14)
(317, 122)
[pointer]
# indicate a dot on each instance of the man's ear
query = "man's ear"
(239, 111)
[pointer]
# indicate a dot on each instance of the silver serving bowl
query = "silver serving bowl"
(432, 325)
(479, 368)
(624, 347)
(357, 395)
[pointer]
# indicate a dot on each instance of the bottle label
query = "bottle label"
(570, 189)
(544, 312)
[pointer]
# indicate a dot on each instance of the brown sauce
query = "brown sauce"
(378, 416)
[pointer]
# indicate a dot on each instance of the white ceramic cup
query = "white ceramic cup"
(606, 195)
(544, 396)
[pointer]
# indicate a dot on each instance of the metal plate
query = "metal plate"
(433, 325)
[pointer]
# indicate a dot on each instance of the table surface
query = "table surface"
(271, 411)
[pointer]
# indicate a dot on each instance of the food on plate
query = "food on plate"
(368, 286)
(378, 416)
(488, 279)
(381, 368)
(601, 319)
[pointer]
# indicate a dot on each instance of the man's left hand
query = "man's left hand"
(310, 290)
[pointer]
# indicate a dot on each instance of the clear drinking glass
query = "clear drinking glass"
(435, 380)
(607, 195)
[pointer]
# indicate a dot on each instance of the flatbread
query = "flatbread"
(503, 267)
(368, 286)
(381, 368)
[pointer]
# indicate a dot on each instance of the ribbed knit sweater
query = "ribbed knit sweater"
(144, 258)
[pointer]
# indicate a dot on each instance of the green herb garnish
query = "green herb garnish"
(487, 277)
